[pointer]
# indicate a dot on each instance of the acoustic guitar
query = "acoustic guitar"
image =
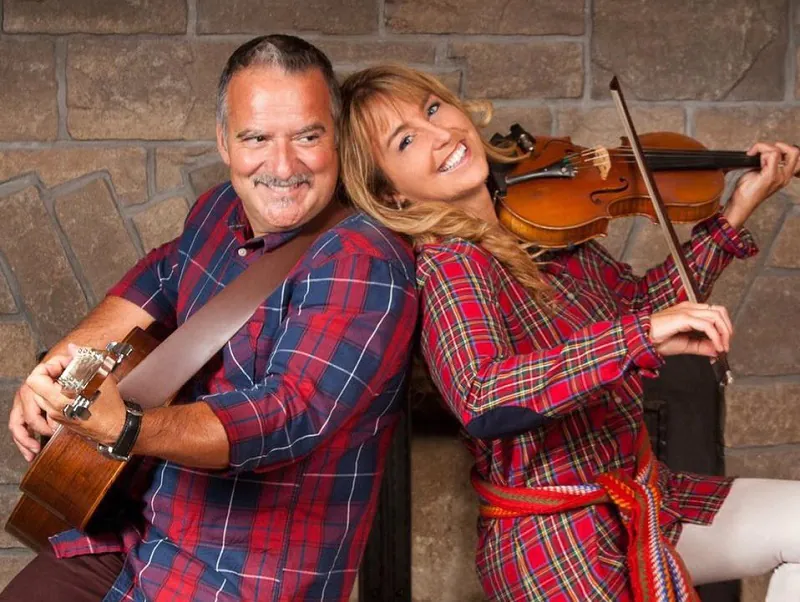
(69, 478)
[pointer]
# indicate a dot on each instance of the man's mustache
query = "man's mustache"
(272, 181)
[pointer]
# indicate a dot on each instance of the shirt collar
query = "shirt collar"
(243, 232)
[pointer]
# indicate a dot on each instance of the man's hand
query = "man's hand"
(675, 330)
(779, 164)
(107, 411)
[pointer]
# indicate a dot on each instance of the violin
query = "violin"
(562, 194)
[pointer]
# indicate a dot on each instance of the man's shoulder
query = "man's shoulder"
(216, 201)
(359, 234)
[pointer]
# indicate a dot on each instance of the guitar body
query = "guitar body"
(69, 478)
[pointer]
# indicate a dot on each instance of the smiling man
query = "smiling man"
(267, 468)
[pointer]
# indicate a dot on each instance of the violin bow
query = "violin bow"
(720, 365)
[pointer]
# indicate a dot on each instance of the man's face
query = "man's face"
(279, 144)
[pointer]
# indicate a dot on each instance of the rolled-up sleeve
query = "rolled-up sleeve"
(348, 332)
(152, 284)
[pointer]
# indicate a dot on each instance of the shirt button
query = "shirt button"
(242, 252)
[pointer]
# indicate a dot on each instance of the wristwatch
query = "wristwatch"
(122, 448)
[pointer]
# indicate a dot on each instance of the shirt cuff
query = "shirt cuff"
(245, 446)
(739, 243)
(641, 352)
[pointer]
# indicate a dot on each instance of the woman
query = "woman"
(543, 365)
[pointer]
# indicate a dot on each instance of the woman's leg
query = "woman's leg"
(756, 530)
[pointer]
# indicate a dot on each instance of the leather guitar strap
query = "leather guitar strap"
(170, 365)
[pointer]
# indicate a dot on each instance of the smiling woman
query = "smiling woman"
(543, 365)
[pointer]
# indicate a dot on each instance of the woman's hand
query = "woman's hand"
(779, 164)
(693, 328)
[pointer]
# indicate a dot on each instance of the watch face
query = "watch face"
(133, 408)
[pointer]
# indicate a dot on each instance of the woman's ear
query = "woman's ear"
(394, 200)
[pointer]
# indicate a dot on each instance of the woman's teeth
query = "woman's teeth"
(455, 157)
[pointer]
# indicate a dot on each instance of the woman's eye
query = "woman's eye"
(433, 108)
(405, 142)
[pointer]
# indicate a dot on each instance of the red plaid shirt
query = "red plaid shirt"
(308, 391)
(554, 397)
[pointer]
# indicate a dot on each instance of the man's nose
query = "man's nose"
(283, 160)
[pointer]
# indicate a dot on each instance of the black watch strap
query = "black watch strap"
(121, 450)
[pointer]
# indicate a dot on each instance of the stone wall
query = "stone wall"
(106, 137)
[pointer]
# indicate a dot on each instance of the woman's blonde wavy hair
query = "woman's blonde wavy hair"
(373, 193)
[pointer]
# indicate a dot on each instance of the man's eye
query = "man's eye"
(405, 142)
(258, 139)
(433, 108)
(309, 138)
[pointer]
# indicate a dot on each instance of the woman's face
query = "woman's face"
(432, 151)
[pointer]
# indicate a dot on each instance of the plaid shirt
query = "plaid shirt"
(308, 391)
(553, 396)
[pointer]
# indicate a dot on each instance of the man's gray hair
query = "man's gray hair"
(289, 53)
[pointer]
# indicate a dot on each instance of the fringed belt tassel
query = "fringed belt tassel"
(657, 573)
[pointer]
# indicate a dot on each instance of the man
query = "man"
(266, 475)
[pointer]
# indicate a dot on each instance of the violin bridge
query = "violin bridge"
(601, 159)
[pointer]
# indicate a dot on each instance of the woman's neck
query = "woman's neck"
(480, 205)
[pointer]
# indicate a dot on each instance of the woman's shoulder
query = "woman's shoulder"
(454, 254)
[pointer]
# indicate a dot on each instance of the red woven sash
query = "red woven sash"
(657, 573)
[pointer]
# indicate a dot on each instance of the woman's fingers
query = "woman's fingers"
(692, 328)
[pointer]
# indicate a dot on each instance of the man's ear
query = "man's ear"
(222, 145)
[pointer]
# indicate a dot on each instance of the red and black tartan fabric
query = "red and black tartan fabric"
(657, 572)
(552, 396)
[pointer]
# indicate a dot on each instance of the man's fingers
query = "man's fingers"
(32, 413)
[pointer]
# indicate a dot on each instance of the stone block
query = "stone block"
(715, 50)
(97, 235)
(12, 464)
(786, 250)
(17, 350)
(161, 223)
(602, 126)
(764, 463)
(737, 128)
(95, 16)
(531, 17)
(170, 162)
(28, 240)
(763, 347)
(444, 511)
(55, 166)
(755, 589)
(7, 304)
(161, 89)
(558, 69)
(617, 236)
(204, 178)
(648, 247)
(377, 51)
(762, 414)
(11, 563)
(28, 108)
(253, 16)
(8, 499)
(537, 120)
